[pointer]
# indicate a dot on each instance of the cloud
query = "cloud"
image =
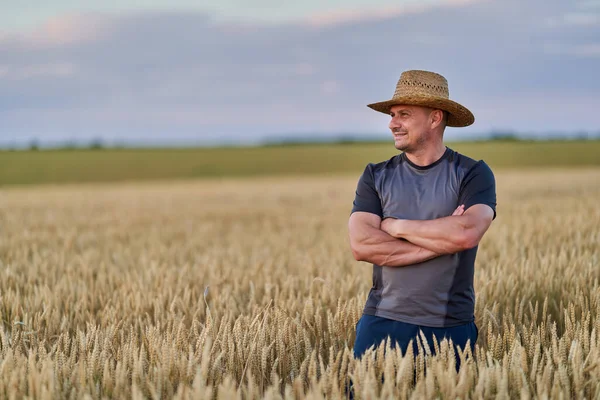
(575, 19)
(62, 30)
(346, 16)
(330, 87)
(588, 4)
(37, 70)
(579, 50)
(184, 74)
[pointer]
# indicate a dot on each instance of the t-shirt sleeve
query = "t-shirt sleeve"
(366, 198)
(478, 187)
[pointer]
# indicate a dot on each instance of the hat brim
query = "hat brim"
(458, 115)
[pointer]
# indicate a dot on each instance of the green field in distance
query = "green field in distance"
(112, 165)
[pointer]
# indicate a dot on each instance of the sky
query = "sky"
(241, 71)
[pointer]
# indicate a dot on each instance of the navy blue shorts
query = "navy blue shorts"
(372, 330)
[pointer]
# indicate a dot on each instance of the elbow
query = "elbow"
(358, 251)
(467, 240)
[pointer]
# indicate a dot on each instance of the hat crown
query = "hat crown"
(421, 83)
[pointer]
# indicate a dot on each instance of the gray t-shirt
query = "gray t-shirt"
(438, 292)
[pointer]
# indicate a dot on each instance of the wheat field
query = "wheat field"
(247, 289)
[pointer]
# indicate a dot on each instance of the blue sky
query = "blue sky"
(237, 70)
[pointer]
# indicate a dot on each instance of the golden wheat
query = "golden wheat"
(247, 289)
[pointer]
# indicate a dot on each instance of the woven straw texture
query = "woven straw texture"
(427, 89)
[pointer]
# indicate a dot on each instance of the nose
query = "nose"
(394, 124)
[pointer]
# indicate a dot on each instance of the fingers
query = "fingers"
(460, 210)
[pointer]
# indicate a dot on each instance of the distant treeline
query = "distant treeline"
(100, 144)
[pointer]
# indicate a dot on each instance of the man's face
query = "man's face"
(410, 126)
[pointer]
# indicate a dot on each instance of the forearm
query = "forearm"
(382, 249)
(443, 235)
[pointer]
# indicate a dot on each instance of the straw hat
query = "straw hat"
(428, 89)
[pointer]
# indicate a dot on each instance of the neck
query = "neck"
(427, 155)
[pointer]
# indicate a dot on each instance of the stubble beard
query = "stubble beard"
(403, 148)
(421, 142)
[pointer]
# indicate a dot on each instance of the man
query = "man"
(419, 217)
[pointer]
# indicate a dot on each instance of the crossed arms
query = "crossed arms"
(399, 242)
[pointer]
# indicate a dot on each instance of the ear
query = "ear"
(436, 118)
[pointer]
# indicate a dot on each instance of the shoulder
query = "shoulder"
(462, 161)
(468, 166)
(393, 162)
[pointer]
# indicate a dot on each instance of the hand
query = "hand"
(390, 225)
(460, 210)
